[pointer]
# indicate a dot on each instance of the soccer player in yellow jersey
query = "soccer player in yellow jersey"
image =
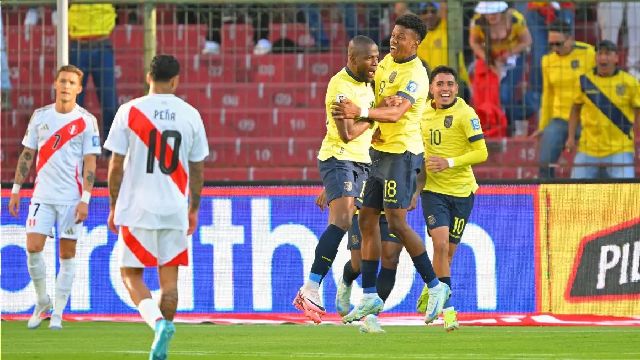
(453, 142)
(610, 102)
(396, 162)
(343, 161)
(560, 69)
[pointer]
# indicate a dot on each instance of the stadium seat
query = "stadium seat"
(226, 174)
(296, 32)
(237, 38)
(271, 122)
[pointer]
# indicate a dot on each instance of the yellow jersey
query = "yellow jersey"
(450, 133)
(409, 80)
(607, 115)
(559, 76)
(91, 20)
(434, 47)
(500, 46)
(346, 84)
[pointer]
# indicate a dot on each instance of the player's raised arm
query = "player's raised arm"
(114, 179)
(196, 180)
(22, 170)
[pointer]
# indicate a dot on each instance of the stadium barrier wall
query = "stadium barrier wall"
(526, 250)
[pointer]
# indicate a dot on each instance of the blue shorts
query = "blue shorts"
(392, 180)
(446, 210)
(355, 237)
(342, 178)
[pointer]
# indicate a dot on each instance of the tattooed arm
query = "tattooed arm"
(196, 179)
(114, 178)
(89, 177)
(22, 171)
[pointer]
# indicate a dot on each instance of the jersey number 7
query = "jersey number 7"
(162, 163)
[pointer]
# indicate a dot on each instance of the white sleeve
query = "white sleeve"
(91, 137)
(200, 149)
(30, 139)
(118, 139)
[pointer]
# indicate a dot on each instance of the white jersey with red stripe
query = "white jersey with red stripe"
(159, 134)
(62, 141)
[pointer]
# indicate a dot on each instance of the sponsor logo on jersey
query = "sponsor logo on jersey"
(448, 120)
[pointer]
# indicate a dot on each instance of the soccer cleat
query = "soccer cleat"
(370, 305)
(371, 325)
(308, 301)
(343, 299)
(423, 300)
(450, 319)
(164, 332)
(56, 322)
(438, 295)
(38, 311)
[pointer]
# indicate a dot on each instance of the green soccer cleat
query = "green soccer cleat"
(369, 305)
(423, 300)
(450, 320)
(371, 325)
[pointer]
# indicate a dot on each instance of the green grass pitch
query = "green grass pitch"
(105, 340)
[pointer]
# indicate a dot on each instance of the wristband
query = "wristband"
(16, 188)
(450, 161)
(86, 196)
(364, 112)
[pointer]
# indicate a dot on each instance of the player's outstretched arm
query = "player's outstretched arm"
(88, 178)
(22, 171)
(114, 179)
(196, 180)
(384, 114)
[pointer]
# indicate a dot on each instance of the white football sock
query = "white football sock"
(38, 272)
(150, 312)
(64, 282)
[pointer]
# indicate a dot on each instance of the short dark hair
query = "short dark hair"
(164, 67)
(413, 22)
(561, 26)
(361, 42)
(443, 69)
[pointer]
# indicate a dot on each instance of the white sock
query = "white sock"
(38, 272)
(150, 312)
(311, 285)
(64, 281)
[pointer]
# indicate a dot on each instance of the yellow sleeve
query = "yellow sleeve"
(478, 154)
(413, 85)
(635, 97)
(580, 96)
(547, 95)
(337, 87)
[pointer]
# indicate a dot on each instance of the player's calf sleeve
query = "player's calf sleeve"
(386, 281)
(425, 269)
(326, 251)
(38, 272)
(64, 281)
(348, 275)
(150, 312)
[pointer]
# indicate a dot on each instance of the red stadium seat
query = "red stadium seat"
(237, 38)
(226, 174)
(271, 122)
(296, 32)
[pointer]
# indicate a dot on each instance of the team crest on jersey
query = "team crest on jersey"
(575, 64)
(448, 120)
(431, 220)
(73, 129)
(620, 89)
(348, 186)
(392, 77)
(355, 240)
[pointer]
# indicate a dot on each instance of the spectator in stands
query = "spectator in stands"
(561, 68)
(538, 15)
(313, 18)
(610, 102)
(610, 16)
(90, 26)
(5, 82)
(433, 49)
(499, 37)
(213, 16)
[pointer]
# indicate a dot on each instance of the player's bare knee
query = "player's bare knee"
(343, 222)
(389, 261)
(34, 248)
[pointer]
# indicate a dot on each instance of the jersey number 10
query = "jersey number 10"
(162, 163)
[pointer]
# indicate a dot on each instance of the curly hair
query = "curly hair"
(413, 22)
